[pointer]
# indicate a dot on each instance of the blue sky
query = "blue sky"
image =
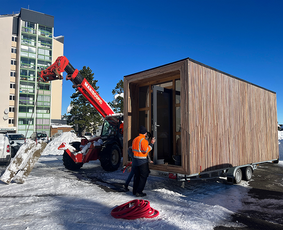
(115, 38)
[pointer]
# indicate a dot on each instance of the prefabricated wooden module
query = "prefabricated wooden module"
(203, 119)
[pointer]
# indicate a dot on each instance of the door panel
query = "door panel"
(162, 124)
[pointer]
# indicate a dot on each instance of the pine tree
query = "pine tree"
(118, 103)
(83, 116)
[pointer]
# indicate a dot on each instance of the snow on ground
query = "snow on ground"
(56, 198)
(280, 142)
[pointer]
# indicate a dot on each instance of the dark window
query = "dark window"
(44, 87)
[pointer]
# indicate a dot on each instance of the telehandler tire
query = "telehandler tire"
(69, 163)
(110, 158)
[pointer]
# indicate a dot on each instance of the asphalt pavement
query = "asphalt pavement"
(263, 205)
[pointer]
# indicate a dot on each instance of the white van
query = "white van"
(5, 152)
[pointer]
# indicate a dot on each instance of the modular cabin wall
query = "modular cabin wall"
(231, 122)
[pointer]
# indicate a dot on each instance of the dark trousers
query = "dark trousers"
(141, 173)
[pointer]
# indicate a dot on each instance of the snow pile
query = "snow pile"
(280, 142)
(22, 164)
(52, 147)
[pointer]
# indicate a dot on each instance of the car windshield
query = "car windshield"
(41, 135)
(17, 137)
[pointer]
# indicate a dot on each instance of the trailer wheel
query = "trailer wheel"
(247, 173)
(69, 163)
(110, 158)
(238, 176)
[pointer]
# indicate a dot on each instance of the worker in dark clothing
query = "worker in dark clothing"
(125, 186)
(140, 149)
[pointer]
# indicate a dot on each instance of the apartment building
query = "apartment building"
(28, 45)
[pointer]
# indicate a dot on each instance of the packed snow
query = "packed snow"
(55, 198)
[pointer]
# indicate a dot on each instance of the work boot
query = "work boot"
(142, 194)
(125, 188)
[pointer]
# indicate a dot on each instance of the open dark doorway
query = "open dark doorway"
(162, 121)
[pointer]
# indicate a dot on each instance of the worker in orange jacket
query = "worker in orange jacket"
(141, 148)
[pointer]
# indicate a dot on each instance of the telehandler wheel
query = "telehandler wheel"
(247, 173)
(238, 176)
(69, 163)
(110, 158)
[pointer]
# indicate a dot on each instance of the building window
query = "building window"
(28, 40)
(11, 121)
(44, 43)
(14, 50)
(44, 86)
(11, 109)
(12, 85)
(13, 74)
(45, 31)
(29, 27)
(25, 121)
(27, 63)
(13, 62)
(12, 97)
(42, 65)
(14, 39)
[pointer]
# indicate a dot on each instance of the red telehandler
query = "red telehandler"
(108, 147)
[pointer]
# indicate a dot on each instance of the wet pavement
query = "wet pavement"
(263, 205)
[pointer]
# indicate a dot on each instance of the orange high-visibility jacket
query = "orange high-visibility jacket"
(140, 147)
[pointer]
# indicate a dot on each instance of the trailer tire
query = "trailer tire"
(247, 173)
(238, 176)
(110, 158)
(69, 163)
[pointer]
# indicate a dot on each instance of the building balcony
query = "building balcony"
(28, 30)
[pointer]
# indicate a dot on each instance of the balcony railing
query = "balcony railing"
(23, 102)
(27, 78)
(28, 30)
(27, 66)
(45, 34)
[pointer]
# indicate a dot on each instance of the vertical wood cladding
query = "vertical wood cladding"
(231, 121)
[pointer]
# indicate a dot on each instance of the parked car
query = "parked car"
(16, 141)
(40, 136)
(5, 153)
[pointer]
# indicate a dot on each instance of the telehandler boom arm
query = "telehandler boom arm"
(62, 64)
